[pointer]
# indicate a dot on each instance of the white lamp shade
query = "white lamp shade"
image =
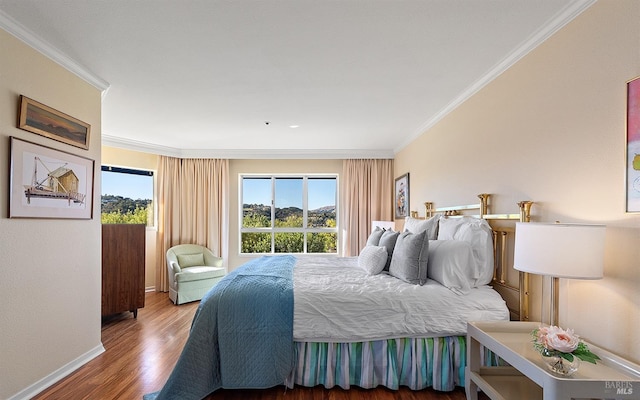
(560, 250)
(382, 224)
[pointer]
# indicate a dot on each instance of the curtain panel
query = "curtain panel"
(192, 208)
(367, 188)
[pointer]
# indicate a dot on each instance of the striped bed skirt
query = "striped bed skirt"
(417, 363)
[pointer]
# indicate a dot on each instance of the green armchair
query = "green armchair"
(193, 270)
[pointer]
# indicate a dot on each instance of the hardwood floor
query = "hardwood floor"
(141, 353)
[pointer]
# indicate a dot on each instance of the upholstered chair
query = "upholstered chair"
(193, 271)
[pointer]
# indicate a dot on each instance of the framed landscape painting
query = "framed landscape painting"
(48, 183)
(41, 119)
(401, 196)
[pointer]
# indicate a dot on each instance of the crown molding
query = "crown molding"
(247, 154)
(19, 31)
(553, 25)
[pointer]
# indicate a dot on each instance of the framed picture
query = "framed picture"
(37, 118)
(401, 196)
(48, 183)
(633, 146)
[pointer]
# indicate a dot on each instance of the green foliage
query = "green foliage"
(287, 242)
(123, 210)
(137, 216)
(254, 242)
(259, 216)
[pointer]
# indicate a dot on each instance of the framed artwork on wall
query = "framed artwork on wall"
(633, 146)
(37, 118)
(48, 183)
(401, 196)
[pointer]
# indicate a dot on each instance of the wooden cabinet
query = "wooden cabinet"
(122, 268)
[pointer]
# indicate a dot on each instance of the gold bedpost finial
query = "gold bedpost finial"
(428, 209)
(484, 204)
(525, 216)
(525, 210)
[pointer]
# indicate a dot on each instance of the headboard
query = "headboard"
(503, 239)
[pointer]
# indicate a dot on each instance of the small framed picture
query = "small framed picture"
(48, 183)
(401, 196)
(37, 118)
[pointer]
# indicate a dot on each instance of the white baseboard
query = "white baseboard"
(150, 289)
(57, 375)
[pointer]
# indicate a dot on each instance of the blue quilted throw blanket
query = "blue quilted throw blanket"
(241, 335)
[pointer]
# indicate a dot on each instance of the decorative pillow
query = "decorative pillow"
(190, 260)
(388, 241)
(449, 264)
(374, 238)
(373, 259)
(480, 237)
(448, 226)
(477, 233)
(410, 258)
(415, 225)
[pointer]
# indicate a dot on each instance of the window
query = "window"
(288, 214)
(127, 196)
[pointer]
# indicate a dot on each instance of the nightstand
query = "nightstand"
(528, 378)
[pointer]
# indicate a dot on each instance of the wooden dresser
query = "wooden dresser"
(123, 253)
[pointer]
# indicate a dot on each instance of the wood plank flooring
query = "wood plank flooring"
(141, 353)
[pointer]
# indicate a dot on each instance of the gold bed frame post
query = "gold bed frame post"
(525, 216)
(484, 204)
(428, 209)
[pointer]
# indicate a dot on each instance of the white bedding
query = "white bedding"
(336, 301)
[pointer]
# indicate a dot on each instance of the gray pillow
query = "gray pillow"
(372, 259)
(374, 238)
(388, 241)
(410, 258)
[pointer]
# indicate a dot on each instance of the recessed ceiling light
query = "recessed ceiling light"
(294, 126)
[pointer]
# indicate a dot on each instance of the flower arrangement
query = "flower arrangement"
(553, 341)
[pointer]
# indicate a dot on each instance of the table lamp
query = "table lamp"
(573, 251)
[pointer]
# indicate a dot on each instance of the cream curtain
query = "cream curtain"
(367, 187)
(192, 208)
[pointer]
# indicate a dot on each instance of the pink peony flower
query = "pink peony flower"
(561, 340)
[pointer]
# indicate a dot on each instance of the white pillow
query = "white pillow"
(477, 233)
(449, 264)
(480, 237)
(373, 259)
(415, 225)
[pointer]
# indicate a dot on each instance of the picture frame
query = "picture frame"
(49, 183)
(401, 196)
(632, 149)
(43, 120)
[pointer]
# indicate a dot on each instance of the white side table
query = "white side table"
(528, 378)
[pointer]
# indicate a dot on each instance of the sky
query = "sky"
(127, 185)
(322, 192)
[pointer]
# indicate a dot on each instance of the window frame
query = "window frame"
(305, 230)
(141, 172)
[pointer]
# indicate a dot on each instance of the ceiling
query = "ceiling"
(282, 78)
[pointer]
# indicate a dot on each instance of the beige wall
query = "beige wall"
(237, 167)
(50, 285)
(116, 157)
(551, 129)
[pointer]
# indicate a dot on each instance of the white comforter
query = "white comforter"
(336, 301)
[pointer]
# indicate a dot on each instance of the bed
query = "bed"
(389, 317)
